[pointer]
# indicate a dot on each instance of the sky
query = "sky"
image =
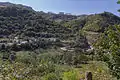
(77, 7)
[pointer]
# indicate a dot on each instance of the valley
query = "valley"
(37, 45)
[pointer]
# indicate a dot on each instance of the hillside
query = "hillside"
(19, 19)
(22, 21)
(93, 25)
(94, 22)
(22, 26)
(58, 17)
(48, 46)
(98, 22)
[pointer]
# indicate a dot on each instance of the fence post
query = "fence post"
(88, 76)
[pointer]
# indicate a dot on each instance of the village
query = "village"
(24, 41)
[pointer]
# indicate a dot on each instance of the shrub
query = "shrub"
(51, 76)
(71, 75)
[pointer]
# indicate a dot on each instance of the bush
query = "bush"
(109, 43)
(51, 76)
(71, 75)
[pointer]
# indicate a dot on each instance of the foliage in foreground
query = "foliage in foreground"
(30, 66)
(49, 65)
(109, 49)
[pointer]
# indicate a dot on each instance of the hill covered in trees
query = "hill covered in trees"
(18, 19)
(22, 27)
(22, 21)
(93, 25)
(94, 22)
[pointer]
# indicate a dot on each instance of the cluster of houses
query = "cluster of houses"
(18, 41)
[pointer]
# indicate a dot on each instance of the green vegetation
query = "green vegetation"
(48, 46)
(47, 65)
(109, 46)
(23, 21)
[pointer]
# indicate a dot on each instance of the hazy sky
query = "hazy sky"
(71, 6)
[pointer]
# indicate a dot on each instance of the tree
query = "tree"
(109, 45)
(118, 3)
